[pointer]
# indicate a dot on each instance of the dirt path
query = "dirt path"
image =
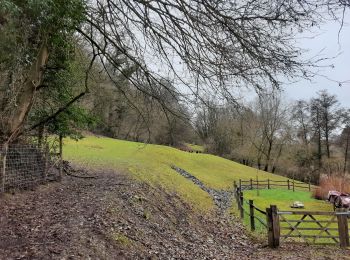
(115, 217)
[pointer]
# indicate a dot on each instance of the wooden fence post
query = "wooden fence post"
(293, 186)
(251, 183)
(343, 228)
(241, 204)
(288, 184)
(309, 186)
(3, 157)
(237, 198)
(240, 184)
(268, 184)
(251, 213)
(273, 226)
(47, 158)
(234, 185)
(61, 157)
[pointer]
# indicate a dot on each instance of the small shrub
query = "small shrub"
(327, 183)
(146, 214)
(120, 239)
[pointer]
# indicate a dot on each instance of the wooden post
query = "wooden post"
(251, 213)
(61, 157)
(240, 184)
(2, 170)
(273, 227)
(288, 184)
(241, 204)
(309, 186)
(293, 186)
(47, 158)
(343, 228)
(237, 195)
(268, 184)
(3, 167)
(234, 185)
(251, 184)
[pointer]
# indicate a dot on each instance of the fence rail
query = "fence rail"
(252, 209)
(270, 184)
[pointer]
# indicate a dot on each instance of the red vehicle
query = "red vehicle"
(339, 199)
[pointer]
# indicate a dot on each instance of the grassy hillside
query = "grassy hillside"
(195, 147)
(152, 163)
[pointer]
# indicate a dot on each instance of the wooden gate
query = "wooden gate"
(309, 227)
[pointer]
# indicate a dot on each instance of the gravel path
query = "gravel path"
(222, 198)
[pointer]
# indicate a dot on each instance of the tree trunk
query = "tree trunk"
(346, 151)
(319, 152)
(327, 140)
(12, 123)
(319, 139)
(268, 157)
(40, 135)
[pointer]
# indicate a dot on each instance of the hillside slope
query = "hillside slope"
(115, 217)
(152, 163)
(138, 209)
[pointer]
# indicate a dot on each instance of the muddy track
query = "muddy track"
(116, 217)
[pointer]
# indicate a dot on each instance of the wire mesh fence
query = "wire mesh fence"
(24, 166)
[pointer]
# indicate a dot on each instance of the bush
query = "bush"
(327, 183)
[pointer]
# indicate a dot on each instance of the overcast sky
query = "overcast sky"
(327, 39)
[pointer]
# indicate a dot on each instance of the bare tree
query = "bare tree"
(301, 117)
(326, 117)
(345, 138)
(220, 44)
(272, 115)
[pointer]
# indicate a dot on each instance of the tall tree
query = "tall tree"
(345, 138)
(272, 116)
(301, 117)
(326, 116)
(219, 44)
(29, 30)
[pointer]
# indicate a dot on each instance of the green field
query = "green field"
(152, 163)
(283, 199)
